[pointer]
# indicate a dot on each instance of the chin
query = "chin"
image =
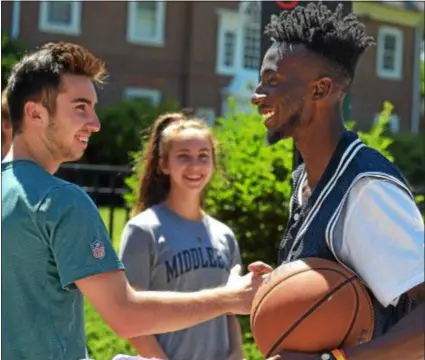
(73, 157)
(274, 136)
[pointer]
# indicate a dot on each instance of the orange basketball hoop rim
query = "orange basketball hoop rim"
(287, 5)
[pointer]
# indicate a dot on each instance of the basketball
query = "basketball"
(311, 305)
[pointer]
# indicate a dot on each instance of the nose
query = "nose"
(195, 163)
(257, 99)
(94, 124)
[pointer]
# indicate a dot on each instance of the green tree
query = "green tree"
(11, 53)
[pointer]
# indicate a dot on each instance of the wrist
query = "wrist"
(226, 299)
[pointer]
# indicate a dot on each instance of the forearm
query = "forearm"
(148, 347)
(404, 341)
(235, 338)
(148, 312)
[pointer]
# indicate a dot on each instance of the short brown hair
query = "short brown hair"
(38, 76)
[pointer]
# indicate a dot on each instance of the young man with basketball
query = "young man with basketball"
(349, 203)
(55, 247)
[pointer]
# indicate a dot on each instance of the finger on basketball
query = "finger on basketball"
(260, 268)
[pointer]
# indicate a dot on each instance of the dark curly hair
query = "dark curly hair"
(339, 39)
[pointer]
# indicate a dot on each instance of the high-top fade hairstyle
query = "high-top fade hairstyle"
(37, 77)
(339, 39)
(154, 185)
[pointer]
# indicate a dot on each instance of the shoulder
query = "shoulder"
(379, 191)
(223, 235)
(64, 195)
(146, 220)
(372, 161)
(219, 227)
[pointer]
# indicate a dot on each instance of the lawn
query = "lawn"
(103, 344)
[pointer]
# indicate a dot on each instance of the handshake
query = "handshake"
(244, 288)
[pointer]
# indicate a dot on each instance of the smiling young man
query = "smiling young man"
(55, 247)
(349, 203)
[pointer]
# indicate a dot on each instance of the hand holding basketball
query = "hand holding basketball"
(245, 286)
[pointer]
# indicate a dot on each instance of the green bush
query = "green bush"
(408, 151)
(123, 125)
(11, 53)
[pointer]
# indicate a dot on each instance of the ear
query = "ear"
(163, 166)
(35, 113)
(322, 88)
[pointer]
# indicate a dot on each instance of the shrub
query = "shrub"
(122, 127)
(11, 53)
(408, 151)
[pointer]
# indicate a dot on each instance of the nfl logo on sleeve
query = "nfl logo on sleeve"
(98, 249)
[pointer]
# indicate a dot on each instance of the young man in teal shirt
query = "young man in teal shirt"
(55, 247)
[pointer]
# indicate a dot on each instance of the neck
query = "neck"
(317, 144)
(186, 206)
(22, 149)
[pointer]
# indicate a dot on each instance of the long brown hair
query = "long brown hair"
(154, 185)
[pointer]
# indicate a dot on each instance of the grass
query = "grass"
(102, 342)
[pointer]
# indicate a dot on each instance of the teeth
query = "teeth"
(194, 177)
(83, 139)
(268, 115)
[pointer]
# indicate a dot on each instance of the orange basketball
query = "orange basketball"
(311, 305)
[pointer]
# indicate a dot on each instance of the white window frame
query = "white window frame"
(233, 21)
(153, 95)
(229, 21)
(397, 73)
(74, 28)
(207, 114)
(158, 39)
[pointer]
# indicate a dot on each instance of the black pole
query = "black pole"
(268, 8)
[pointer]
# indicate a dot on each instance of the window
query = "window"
(390, 53)
(62, 17)
(146, 22)
(229, 48)
(143, 93)
(206, 114)
(239, 39)
(252, 36)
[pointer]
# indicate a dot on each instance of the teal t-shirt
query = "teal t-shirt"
(52, 236)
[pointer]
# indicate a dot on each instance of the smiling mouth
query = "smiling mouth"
(267, 117)
(194, 177)
(83, 139)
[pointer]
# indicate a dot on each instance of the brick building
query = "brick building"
(201, 52)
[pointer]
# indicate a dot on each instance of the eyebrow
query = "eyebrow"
(188, 150)
(82, 100)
